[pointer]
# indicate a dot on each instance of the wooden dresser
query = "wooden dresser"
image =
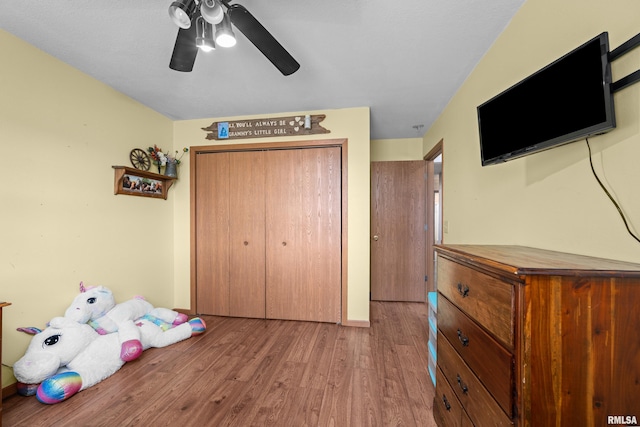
(2, 304)
(530, 337)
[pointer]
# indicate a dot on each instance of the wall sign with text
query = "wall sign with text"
(268, 127)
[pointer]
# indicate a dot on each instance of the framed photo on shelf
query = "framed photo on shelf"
(135, 182)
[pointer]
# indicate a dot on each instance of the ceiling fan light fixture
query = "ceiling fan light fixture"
(181, 12)
(224, 33)
(204, 35)
(211, 11)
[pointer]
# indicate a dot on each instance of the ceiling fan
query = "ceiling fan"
(197, 20)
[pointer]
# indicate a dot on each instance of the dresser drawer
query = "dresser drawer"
(447, 409)
(474, 397)
(484, 298)
(489, 360)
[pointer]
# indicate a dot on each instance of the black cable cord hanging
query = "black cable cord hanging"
(609, 194)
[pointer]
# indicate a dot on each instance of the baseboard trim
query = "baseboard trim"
(186, 311)
(357, 323)
(9, 390)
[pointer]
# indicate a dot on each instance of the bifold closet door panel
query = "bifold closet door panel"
(247, 234)
(212, 233)
(303, 234)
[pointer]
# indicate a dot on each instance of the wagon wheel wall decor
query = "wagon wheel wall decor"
(139, 159)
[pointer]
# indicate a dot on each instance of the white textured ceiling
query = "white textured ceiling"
(404, 60)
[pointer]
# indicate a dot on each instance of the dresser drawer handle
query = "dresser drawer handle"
(447, 405)
(462, 385)
(463, 290)
(464, 340)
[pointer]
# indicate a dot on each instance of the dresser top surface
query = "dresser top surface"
(521, 260)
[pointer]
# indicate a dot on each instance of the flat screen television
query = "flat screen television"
(567, 100)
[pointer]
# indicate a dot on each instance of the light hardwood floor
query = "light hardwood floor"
(251, 372)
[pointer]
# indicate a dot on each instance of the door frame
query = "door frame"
(436, 151)
(282, 145)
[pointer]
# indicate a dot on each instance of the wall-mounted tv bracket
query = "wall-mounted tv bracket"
(617, 53)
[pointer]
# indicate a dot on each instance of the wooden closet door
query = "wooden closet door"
(212, 236)
(247, 234)
(303, 234)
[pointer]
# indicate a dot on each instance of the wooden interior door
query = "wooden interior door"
(247, 234)
(398, 237)
(303, 234)
(212, 237)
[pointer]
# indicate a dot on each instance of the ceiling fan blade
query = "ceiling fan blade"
(262, 39)
(185, 50)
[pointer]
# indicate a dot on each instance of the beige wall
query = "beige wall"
(353, 124)
(385, 150)
(549, 199)
(60, 133)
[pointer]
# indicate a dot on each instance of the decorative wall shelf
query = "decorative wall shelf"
(136, 182)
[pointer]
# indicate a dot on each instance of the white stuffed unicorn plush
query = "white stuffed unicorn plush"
(96, 305)
(68, 357)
